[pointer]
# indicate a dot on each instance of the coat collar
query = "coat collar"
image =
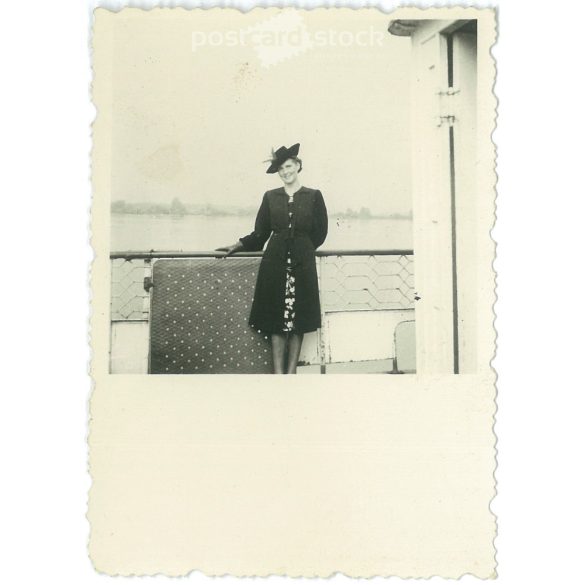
(281, 190)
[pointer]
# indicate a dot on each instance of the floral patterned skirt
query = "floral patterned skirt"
(289, 297)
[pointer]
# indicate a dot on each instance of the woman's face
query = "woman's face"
(288, 171)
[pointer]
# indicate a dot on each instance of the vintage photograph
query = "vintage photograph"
(287, 191)
(292, 194)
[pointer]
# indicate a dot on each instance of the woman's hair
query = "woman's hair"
(299, 161)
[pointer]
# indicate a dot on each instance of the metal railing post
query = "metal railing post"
(321, 331)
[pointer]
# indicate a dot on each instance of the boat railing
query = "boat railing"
(369, 292)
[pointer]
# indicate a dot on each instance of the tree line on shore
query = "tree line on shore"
(177, 208)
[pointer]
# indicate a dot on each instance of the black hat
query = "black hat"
(282, 155)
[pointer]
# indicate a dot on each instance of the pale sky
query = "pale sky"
(197, 124)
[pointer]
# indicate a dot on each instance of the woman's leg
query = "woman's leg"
(278, 351)
(295, 341)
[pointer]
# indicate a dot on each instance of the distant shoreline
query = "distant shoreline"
(252, 214)
(178, 209)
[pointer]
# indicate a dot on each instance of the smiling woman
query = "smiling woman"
(293, 219)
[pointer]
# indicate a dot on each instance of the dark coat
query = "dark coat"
(308, 232)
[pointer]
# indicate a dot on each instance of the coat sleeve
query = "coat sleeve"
(255, 241)
(319, 231)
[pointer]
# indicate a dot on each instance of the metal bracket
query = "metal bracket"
(449, 120)
(448, 102)
(449, 92)
(148, 284)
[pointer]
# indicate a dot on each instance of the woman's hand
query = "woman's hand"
(231, 249)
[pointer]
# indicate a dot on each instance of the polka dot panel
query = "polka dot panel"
(199, 318)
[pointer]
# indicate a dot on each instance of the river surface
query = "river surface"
(204, 233)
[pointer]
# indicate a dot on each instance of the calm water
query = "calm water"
(202, 233)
